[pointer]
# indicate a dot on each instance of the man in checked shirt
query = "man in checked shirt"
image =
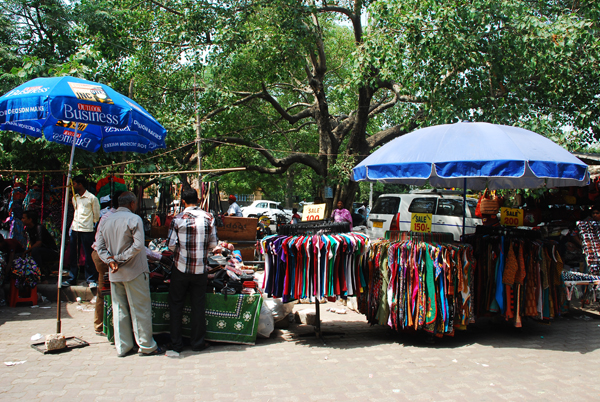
(192, 236)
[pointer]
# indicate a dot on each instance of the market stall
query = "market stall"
(440, 286)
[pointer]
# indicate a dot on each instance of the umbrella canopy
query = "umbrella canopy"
(52, 106)
(475, 156)
(82, 114)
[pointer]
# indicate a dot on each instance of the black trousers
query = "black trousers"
(181, 283)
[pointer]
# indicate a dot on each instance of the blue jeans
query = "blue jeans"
(85, 240)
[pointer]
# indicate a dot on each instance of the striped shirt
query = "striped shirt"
(191, 236)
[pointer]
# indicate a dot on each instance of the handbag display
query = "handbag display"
(490, 203)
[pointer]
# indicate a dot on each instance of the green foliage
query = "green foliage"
(530, 64)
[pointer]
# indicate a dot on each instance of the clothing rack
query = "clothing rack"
(507, 231)
(313, 228)
(432, 237)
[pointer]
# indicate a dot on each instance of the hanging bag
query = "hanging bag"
(490, 204)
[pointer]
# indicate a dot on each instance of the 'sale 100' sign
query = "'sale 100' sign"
(313, 212)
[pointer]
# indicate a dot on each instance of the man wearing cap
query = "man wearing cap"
(234, 208)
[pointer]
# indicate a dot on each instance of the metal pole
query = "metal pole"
(199, 140)
(198, 137)
(464, 205)
(64, 232)
(371, 196)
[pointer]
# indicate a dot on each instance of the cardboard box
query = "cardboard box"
(237, 229)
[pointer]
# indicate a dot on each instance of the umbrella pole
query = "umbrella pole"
(64, 232)
(464, 205)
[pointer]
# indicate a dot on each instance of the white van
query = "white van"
(394, 211)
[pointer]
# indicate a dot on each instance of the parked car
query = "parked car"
(268, 208)
(393, 212)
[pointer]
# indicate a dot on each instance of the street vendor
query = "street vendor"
(341, 214)
(234, 208)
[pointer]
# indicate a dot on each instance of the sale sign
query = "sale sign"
(313, 212)
(420, 223)
(511, 216)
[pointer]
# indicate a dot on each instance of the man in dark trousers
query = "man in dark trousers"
(87, 213)
(191, 236)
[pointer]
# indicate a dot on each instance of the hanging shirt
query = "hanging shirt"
(87, 212)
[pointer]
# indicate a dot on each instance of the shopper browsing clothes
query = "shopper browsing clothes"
(87, 213)
(234, 208)
(121, 246)
(191, 235)
(341, 214)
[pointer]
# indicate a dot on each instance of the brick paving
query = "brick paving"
(489, 362)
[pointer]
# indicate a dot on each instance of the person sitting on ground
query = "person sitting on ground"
(234, 208)
(295, 217)
(341, 214)
(42, 247)
(10, 247)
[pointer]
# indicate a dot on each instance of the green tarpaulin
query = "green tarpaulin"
(233, 319)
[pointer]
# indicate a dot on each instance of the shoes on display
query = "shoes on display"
(65, 284)
(93, 285)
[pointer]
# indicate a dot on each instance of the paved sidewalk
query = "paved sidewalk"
(490, 362)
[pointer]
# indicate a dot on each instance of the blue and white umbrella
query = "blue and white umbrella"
(52, 106)
(62, 109)
(474, 156)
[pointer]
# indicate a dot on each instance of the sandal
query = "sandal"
(156, 352)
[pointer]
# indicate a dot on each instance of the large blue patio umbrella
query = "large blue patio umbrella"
(483, 154)
(66, 108)
(475, 156)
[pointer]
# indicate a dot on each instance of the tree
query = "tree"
(322, 84)
(309, 83)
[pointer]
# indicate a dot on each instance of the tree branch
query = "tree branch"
(280, 163)
(389, 134)
(169, 9)
(290, 118)
(395, 88)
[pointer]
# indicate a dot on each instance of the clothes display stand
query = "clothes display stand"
(418, 281)
(313, 259)
(590, 243)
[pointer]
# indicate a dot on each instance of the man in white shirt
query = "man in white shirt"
(234, 208)
(121, 246)
(87, 213)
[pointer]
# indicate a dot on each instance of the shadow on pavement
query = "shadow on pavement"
(27, 313)
(568, 334)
